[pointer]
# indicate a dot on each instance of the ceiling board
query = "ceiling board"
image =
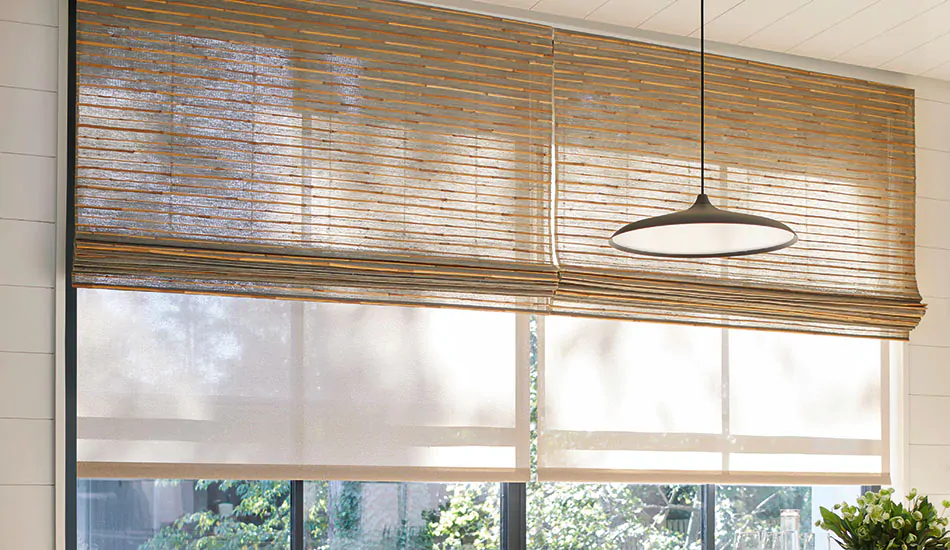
(800, 25)
(907, 36)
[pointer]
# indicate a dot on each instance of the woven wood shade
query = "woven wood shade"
(369, 151)
(383, 152)
(832, 157)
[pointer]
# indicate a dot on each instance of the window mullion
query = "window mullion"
(297, 528)
(514, 519)
(708, 524)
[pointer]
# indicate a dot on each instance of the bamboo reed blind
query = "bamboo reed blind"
(832, 157)
(384, 152)
(369, 150)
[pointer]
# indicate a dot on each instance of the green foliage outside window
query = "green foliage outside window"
(260, 521)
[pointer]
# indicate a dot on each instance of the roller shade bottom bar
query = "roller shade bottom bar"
(157, 470)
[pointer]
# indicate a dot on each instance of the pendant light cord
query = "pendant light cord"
(702, 96)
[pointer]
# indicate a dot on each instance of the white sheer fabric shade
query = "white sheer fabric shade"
(185, 386)
(639, 402)
(212, 387)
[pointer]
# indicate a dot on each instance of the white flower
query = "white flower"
(876, 513)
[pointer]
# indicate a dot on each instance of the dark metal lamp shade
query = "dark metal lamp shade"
(703, 231)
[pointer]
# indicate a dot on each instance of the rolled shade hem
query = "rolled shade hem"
(534, 287)
(650, 297)
(499, 286)
(155, 470)
(279, 267)
(581, 475)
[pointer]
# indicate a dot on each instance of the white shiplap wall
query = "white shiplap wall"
(29, 41)
(928, 366)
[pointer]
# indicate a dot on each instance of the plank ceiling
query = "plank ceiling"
(905, 36)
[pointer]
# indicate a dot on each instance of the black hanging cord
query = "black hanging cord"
(702, 96)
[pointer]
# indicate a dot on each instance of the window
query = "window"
(162, 514)
(116, 514)
(747, 513)
(405, 516)
(613, 516)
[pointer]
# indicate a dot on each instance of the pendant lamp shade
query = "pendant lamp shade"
(703, 231)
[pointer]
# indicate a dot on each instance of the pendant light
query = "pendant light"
(702, 230)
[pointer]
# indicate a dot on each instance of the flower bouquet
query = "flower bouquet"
(879, 523)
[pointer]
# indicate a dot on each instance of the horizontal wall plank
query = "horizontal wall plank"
(28, 250)
(929, 468)
(928, 420)
(26, 456)
(28, 120)
(26, 517)
(933, 223)
(26, 385)
(933, 271)
(27, 324)
(38, 12)
(929, 371)
(934, 329)
(929, 88)
(932, 169)
(34, 64)
(933, 124)
(27, 187)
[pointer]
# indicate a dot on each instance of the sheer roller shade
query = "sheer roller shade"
(832, 157)
(644, 402)
(367, 150)
(217, 387)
